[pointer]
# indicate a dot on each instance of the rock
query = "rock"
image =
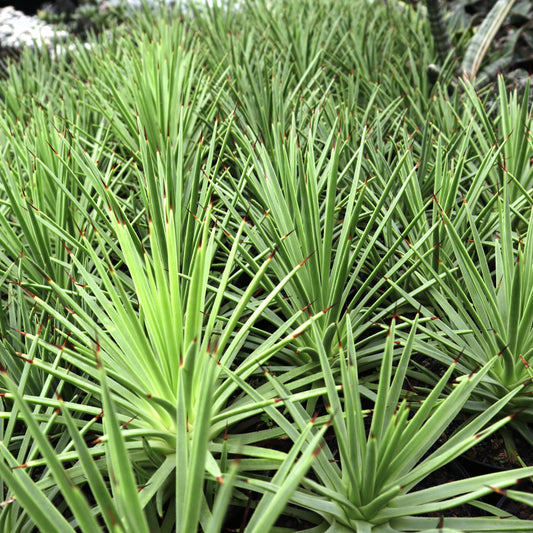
(18, 30)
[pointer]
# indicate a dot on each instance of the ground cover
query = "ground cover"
(259, 273)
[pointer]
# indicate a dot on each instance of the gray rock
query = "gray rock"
(18, 30)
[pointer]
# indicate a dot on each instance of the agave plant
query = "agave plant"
(369, 478)
(483, 256)
(159, 370)
(494, 315)
(327, 214)
(123, 507)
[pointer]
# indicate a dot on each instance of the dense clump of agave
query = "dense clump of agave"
(222, 260)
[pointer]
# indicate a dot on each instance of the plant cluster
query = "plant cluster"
(83, 18)
(259, 274)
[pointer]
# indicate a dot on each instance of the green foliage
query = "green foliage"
(90, 16)
(226, 262)
(484, 36)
